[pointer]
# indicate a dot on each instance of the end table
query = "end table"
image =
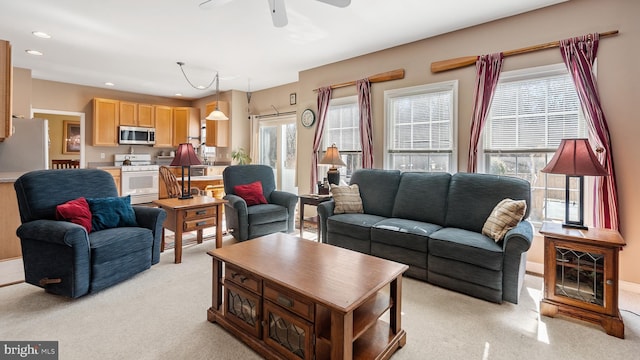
(581, 275)
(312, 200)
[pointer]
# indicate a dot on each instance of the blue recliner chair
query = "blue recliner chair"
(64, 259)
(248, 222)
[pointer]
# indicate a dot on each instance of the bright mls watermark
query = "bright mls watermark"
(29, 350)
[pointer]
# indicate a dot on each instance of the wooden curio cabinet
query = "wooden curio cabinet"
(581, 275)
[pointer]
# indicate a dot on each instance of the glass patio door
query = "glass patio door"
(277, 148)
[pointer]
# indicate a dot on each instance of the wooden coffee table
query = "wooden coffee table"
(299, 299)
(197, 213)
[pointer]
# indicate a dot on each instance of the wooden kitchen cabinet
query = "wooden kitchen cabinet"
(145, 116)
(9, 222)
(163, 116)
(186, 121)
(106, 118)
(117, 176)
(128, 113)
(217, 131)
(6, 89)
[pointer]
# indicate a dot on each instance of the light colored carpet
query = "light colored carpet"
(161, 314)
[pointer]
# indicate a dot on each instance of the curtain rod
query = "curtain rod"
(450, 64)
(386, 76)
(274, 115)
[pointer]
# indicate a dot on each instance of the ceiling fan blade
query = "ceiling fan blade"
(208, 4)
(338, 3)
(278, 13)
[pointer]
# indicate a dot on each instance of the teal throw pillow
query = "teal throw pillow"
(111, 212)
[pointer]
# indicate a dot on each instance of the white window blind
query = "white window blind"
(342, 127)
(421, 122)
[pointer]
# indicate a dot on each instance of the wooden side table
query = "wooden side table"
(312, 200)
(581, 275)
(193, 214)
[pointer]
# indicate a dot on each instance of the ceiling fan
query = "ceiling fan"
(278, 10)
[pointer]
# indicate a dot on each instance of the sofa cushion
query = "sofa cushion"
(111, 212)
(251, 193)
(110, 244)
(347, 199)
(408, 234)
(504, 217)
(466, 246)
(422, 196)
(377, 190)
(266, 213)
(472, 197)
(353, 225)
(76, 211)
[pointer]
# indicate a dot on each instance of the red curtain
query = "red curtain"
(324, 97)
(366, 127)
(579, 54)
(488, 69)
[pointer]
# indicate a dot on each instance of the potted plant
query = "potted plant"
(240, 156)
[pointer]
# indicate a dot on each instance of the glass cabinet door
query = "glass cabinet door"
(290, 335)
(581, 275)
(243, 308)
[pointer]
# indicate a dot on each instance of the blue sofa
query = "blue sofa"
(433, 223)
(64, 259)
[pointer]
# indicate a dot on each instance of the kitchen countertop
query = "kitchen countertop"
(10, 177)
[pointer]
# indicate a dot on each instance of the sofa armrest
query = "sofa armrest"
(237, 203)
(515, 245)
(518, 239)
(325, 210)
(55, 232)
(288, 200)
(152, 218)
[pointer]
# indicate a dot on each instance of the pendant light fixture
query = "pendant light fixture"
(215, 114)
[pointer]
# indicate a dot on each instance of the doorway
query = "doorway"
(277, 148)
(63, 135)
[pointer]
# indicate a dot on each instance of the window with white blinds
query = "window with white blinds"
(342, 127)
(421, 123)
(531, 112)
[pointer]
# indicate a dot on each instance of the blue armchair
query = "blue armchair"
(248, 222)
(64, 259)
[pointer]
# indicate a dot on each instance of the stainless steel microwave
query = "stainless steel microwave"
(136, 135)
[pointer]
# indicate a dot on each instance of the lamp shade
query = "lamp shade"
(217, 115)
(332, 157)
(185, 156)
(574, 157)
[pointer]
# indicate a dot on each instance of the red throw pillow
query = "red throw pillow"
(77, 211)
(251, 193)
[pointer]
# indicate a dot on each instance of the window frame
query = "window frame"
(345, 174)
(547, 152)
(389, 131)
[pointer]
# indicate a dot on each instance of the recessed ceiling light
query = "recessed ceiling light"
(41, 34)
(178, 94)
(34, 52)
(110, 84)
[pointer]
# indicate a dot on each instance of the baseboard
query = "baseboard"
(538, 269)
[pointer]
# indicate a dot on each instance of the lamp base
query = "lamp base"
(574, 226)
(185, 197)
(333, 176)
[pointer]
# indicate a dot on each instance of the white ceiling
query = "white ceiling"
(135, 44)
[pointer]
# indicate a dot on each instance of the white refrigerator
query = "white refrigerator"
(27, 148)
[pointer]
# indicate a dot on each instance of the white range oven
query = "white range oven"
(138, 178)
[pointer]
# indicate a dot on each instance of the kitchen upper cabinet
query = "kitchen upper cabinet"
(186, 122)
(128, 113)
(163, 116)
(145, 116)
(217, 130)
(133, 114)
(106, 118)
(6, 88)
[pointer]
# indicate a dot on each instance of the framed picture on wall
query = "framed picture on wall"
(292, 99)
(70, 137)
